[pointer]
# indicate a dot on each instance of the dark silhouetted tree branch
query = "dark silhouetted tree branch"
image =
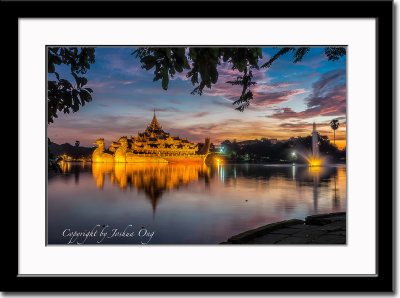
(62, 95)
(204, 63)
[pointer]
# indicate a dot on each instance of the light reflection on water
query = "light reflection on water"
(188, 204)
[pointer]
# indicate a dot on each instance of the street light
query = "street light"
(294, 156)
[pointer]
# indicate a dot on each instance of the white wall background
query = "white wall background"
(397, 182)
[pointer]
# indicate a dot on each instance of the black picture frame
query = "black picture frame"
(380, 10)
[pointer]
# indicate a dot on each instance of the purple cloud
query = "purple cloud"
(328, 98)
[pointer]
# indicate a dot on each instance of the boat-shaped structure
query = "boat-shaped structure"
(154, 145)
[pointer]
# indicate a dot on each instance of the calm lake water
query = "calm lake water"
(183, 204)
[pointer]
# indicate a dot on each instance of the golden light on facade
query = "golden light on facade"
(154, 145)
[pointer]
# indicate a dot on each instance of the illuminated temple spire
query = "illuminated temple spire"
(154, 125)
(152, 145)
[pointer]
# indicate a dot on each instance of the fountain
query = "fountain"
(314, 160)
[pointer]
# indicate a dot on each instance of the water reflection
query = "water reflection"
(194, 203)
(152, 179)
(315, 172)
(70, 169)
(318, 177)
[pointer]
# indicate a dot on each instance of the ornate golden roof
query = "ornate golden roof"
(154, 125)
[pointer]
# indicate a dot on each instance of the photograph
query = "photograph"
(175, 145)
(160, 148)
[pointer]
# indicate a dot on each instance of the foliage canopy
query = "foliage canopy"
(63, 95)
(203, 69)
(202, 66)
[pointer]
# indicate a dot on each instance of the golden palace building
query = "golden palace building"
(154, 145)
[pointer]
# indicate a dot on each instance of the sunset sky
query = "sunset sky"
(288, 97)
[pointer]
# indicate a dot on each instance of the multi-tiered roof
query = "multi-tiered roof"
(155, 140)
(152, 145)
(154, 130)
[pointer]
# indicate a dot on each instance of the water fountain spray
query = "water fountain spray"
(314, 160)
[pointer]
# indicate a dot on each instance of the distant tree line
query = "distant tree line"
(75, 152)
(265, 150)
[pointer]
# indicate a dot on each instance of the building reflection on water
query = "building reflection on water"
(156, 179)
(65, 166)
(199, 203)
(73, 168)
(152, 179)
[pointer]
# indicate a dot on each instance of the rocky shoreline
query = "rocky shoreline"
(315, 229)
